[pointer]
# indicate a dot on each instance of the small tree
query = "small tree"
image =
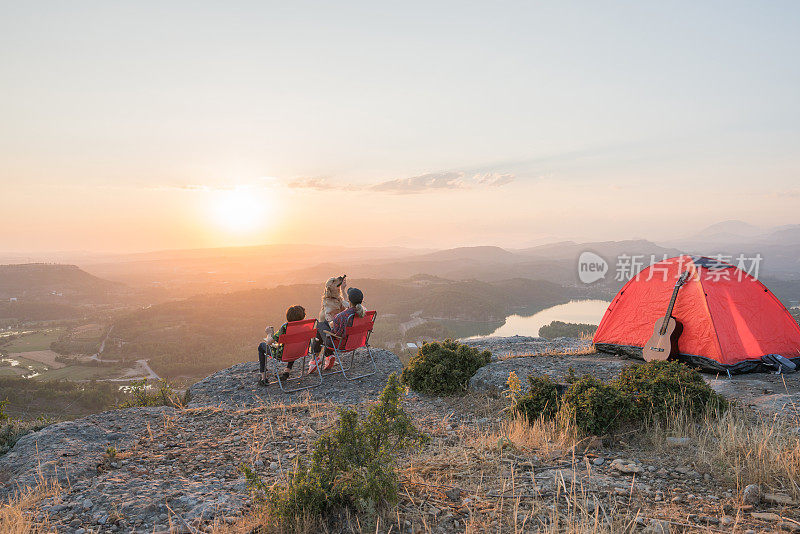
(594, 407)
(444, 368)
(661, 388)
(541, 399)
(352, 466)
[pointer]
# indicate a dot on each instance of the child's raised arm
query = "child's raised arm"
(270, 337)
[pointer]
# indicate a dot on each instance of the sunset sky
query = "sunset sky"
(132, 126)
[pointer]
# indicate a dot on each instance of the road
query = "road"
(146, 366)
(415, 320)
(96, 356)
(149, 374)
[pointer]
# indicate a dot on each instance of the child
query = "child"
(271, 345)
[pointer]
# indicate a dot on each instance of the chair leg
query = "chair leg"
(302, 375)
(335, 355)
(350, 367)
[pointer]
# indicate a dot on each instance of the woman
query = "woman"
(343, 319)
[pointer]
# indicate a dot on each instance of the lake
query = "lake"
(574, 311)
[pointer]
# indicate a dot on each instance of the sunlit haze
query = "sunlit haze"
(143, 126)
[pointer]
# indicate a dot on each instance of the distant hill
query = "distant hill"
(569, 250)
(37, 281)
(732, 229)
(779, 247)
(484, 254)
(182, 273)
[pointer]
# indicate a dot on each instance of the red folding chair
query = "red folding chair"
(296, 342)
(356, 336)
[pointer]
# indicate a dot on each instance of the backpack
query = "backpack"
(778, 363)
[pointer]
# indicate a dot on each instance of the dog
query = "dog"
(332, 300)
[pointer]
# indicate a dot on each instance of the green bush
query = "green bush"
(443, 368)
(640, 393)
(661, 388)
(142, 394)
(352, 466)
(595, 407)
(12, 429)
(541, 400)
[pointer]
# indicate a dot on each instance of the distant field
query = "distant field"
(23, 367)
(32, 342)
(80, 372)
(8, 371)
(87, 332)
(47, 357)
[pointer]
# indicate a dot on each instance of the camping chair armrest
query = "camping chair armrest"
(332, 334)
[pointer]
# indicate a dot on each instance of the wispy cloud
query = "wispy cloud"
(452, 180)
(318, 184)
(201, 188)
(494, 179)
(424, 182)
(415, 184)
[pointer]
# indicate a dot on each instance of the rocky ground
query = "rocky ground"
(508, 347)
(161, 469)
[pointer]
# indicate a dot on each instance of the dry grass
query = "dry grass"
(748, 448)
(260, 521)
(545, 437)
(16, 513)
(753, 450)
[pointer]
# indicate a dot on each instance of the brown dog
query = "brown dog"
(333, 301)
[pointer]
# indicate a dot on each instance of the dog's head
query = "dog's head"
(332, 286)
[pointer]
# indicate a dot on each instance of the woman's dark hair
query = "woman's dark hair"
(295, 313)
(355, 296)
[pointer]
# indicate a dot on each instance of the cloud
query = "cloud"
(195, 187)
(416, 184)
(443, 180)
(494, 179)
(318, 184)
(201, 188)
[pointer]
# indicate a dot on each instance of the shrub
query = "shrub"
(13, 429)
(661, 388)
(352, 466)
(640, 393)
(142, 394)
(541, 400)
(595, 407)
(443, 368)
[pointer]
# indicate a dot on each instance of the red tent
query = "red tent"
(730, 319)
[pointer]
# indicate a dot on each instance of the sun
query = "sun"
(239, 210)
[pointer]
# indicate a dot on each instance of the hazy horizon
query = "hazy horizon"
(132, 128)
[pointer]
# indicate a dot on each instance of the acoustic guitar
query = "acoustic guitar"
(664, 341)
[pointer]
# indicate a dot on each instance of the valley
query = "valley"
(181, 315)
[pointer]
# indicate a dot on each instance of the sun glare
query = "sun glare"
(239, 211)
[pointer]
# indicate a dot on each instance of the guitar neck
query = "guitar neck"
(669, 308)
